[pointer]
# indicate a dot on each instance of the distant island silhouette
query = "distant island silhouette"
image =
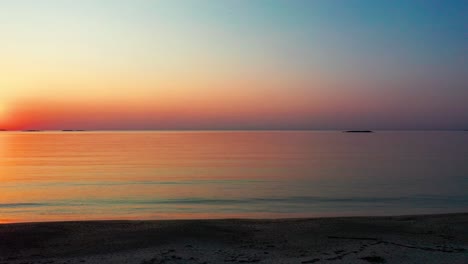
(72, 130)
(32, 130)
(358, 131)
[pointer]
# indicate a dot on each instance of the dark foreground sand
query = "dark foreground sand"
(403, 239)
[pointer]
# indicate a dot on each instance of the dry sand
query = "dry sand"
(402, 239)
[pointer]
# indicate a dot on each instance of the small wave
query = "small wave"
(120, 183)
(21, 205)
(304, 200)
(301, 201)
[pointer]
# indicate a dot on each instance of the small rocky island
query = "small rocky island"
(358, 131)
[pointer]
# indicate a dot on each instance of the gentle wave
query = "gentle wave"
(304, 200)
(18, 205)
(116, 183)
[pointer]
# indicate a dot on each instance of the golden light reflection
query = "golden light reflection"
(48, 176)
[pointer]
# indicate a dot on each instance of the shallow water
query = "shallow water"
(49, 176)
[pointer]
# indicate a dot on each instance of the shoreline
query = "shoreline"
(434, 238)
(237, 218)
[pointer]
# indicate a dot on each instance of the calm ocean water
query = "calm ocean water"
(50, 176)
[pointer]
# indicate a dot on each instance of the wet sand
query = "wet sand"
(401, 239)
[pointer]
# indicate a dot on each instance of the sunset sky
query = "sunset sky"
(259, 64)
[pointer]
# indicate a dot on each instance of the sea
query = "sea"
(141, 175)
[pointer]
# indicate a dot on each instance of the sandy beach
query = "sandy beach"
(400, 239)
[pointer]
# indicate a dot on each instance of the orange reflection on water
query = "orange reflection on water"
(54, 176)
(61, 176)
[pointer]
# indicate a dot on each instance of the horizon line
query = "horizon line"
(214, 130)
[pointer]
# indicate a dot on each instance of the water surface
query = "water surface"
(50, 176)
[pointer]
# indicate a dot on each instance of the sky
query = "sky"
(237, 64)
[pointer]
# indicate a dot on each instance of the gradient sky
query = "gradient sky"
(257, 64)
